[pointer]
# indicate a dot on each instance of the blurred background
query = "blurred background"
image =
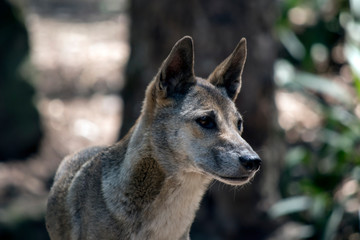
(73, 75)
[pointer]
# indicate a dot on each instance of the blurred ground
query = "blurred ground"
(78, 74)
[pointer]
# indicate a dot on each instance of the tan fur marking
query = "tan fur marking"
(146, 182)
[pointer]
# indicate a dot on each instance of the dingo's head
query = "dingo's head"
(194, 122)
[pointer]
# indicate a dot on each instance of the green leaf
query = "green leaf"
(333, 223)
(318, 207)
(352, 54)
(357, 84)
(355, 7)
(292, 43)
(336, 140)
(286, 76)
(284, 72)
(355, 174)
(323, 85)
(290, 205)
(295, 156)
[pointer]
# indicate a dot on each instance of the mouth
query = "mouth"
(234, 180)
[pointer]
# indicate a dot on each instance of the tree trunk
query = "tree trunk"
(216, 27)
(20, 125)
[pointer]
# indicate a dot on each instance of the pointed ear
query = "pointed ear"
(176, 74)
(228, 74)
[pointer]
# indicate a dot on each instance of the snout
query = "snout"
(250, 163)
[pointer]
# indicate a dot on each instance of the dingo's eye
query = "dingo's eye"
(206, 122)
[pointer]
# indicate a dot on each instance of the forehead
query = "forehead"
(205, 97)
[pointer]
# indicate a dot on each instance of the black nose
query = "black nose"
(250, 163)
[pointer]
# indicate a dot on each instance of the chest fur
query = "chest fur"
(173, 211)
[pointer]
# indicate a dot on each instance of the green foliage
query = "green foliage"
(320, 183)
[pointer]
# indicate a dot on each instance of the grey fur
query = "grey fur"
(149, 185)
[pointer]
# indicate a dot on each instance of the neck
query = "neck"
(144, 192)
(171, 213)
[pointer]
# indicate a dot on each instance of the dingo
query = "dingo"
(149, 185)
